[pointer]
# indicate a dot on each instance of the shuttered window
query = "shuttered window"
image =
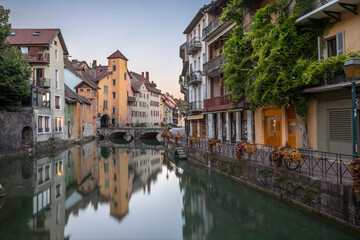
(340, 43)
(340, 125)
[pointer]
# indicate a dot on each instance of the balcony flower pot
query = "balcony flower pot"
(276, 155)
(211, 143)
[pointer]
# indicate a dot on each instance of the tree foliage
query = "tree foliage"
(270, 63)
(14, 70)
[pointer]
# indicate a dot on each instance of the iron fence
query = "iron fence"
(324, 165)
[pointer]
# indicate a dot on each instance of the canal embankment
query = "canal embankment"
(331, 199)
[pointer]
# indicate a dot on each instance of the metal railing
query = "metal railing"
(213, 65)
(213, 25)
(324, 165)
(44, 57)
(194, 77)
(194, 45)
(309, 6)
(195, 106)
(221, 101)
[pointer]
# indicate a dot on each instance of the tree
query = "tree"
(15, 72)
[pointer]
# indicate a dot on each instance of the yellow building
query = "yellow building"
(112, 98)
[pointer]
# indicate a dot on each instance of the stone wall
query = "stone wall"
(87, 130)
(333, 200)
(12, 125)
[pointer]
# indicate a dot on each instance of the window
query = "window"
(40, 124)
(113, 110)
(81, 90)
(36, 34)
(106, 89)
(56, 55)
(204, 58)
(55, 43)
(47, 124)
(106, 167)
(88, 90)
(57, 102)
(195, 66)
(124, 76)
(12, 33)
(24, 50)
(57, 79)
(106, 183)
(331, 47)
(114, 82)
(199, 64)
(58, 124)
(58, 168)
(105, 104)
(58, 190)
(114, 68)
(114, 95)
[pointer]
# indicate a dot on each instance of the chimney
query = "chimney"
(147, 76)
(94, 64)
(142, 74)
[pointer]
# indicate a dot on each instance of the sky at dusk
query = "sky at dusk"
(147, 32)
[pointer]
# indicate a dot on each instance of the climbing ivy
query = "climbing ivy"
(270, 64)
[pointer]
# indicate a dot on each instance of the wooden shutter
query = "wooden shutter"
(340, 43)
(340, 125)
(320, 50)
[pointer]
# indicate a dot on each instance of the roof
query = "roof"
(86, 78)
(25, 37)
(117, 54)
(137, 76)
(101, 75)
(70, 95)
(197, 18)
(151, 88)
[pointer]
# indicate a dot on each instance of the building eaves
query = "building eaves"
(197, 18)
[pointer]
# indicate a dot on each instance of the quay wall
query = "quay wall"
(331, 199)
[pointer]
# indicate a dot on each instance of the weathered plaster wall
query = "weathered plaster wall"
(11, 127)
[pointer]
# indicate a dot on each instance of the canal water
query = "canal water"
(113, 190)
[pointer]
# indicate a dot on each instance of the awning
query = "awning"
(195, 117)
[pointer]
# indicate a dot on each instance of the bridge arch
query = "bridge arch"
(149, 135)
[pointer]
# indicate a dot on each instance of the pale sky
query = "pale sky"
(147, 32)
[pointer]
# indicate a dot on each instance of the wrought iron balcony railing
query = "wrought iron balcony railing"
(195, 106)
(213, 25)
(194, 77)
(213, 65)
(193, 46)
(308, 7)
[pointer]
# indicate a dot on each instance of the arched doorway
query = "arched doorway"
(27, 137)
(105, 121)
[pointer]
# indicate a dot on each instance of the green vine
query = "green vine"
(270, 64)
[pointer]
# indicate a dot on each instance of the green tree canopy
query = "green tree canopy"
(15, 72)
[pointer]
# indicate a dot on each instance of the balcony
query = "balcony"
(193, 46)
(320, 9)
(222, 103)
(40, 82)
(330, 84)
(131, 99)
(38, 58)
(211, 68)
(214, 28)
(194, 78)
(195, 106)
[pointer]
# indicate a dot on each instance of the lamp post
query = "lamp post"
(186, 106)
(352, 71)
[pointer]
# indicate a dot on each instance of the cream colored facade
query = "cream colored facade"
(140, 109)
(154, 109)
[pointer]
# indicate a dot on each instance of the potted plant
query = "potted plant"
(169, 135)
(193, 140)
(249, 148)
(177, 137)
(276, 155)
(164, 134)
(211, 143)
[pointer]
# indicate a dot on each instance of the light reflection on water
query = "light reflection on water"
(110, 190)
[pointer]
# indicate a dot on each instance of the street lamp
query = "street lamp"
(186, 106)
(352, 71)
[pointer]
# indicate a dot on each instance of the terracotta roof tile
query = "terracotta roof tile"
(117, 54)
(27, 37)
(74, 96)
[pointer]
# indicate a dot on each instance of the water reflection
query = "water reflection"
(110, 190)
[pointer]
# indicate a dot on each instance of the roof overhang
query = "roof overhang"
(329, 10)
(331, 87)
(195, 117)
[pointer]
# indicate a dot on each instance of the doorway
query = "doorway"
(27, 137)
(272, 127)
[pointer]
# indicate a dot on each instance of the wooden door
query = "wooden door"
(292, 127)
(272, 127)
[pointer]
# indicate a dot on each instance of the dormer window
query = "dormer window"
(36, 34)
(12, 33)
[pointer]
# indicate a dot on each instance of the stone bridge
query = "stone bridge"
(135, 132)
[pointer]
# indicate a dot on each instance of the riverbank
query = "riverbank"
(44, 147)
(336, 201)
